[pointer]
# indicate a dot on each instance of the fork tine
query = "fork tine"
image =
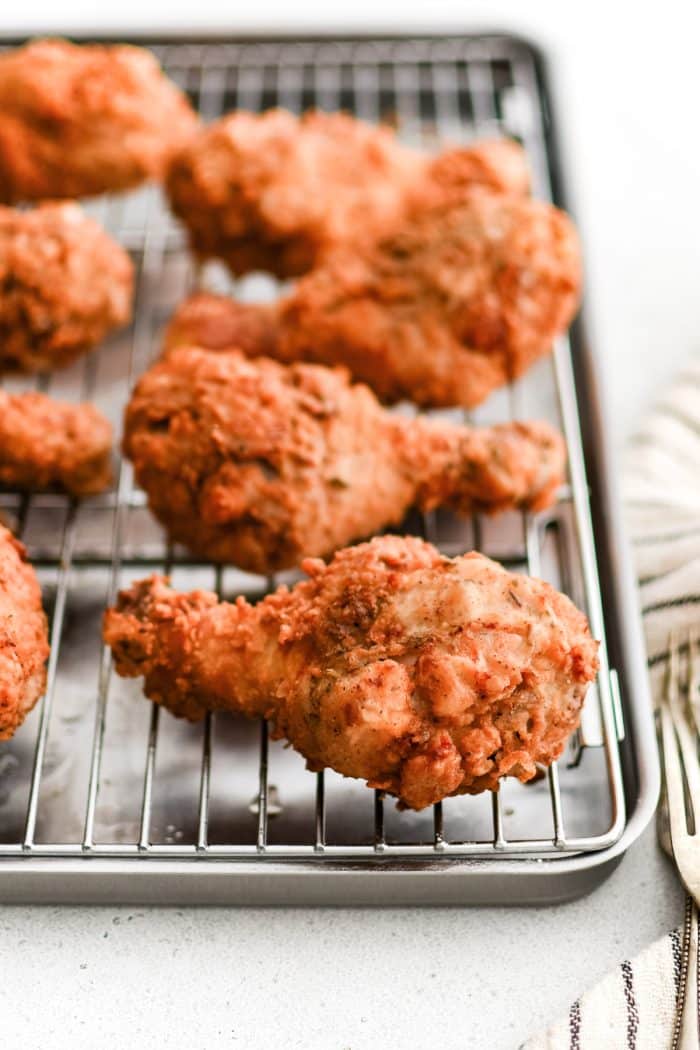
(673, 673)
(691, 766)
(687, 738)
(694, 676)
(676, 748)
(673, 775)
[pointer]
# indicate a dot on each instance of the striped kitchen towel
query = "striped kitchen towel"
(635, 1006)
(662, 497)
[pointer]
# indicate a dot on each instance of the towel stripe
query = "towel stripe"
(672, 603)
(575, 1026)
(662, 656)
(668, 537)
(679, 416)
(677, 953)
(632, 1013)
(644, 581)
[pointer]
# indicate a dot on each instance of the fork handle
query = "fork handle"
(686, 1032)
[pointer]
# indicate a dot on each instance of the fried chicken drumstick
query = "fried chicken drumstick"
(47, 444)
(82, 119)
(423, 675)
(461, 299)
(261, 464)
(24, 645)
(64, 284)
(274, 191)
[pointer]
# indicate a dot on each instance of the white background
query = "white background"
(626, 77)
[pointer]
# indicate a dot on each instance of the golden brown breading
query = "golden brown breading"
(77, 120)
(216, 322)
(24, 645)
(64, 283)
(274, 191)
(496, 164)
(461, 299)
(47, 444)
(261, 464)
(422, 675)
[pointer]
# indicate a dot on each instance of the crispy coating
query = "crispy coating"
(262, 464)
(77, 120)
(47, 444)
(64, 284)
(423, 675)
(24, 645)
(463, 298)
(275, 192)
(216, 322)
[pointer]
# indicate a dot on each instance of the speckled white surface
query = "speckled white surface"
(469, 979)
(464, 979)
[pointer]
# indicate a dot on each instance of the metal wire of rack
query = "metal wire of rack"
(95, 773)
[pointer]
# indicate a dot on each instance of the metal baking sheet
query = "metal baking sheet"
(104, 797)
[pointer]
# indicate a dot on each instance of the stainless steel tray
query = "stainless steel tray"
(103, 797)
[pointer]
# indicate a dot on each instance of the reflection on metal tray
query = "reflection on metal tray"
(103, 796)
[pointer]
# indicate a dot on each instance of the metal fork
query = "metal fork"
(679, 725)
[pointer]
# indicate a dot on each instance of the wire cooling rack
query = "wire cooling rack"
(95, 771)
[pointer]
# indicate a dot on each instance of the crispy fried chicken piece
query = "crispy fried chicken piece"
(261, 464)
(24, 645)
(77, 120)
(47, 444)
(461, 299)
(64, 284)
(274, 191)
(422, 675)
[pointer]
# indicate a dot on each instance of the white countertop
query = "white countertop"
(481, 979)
